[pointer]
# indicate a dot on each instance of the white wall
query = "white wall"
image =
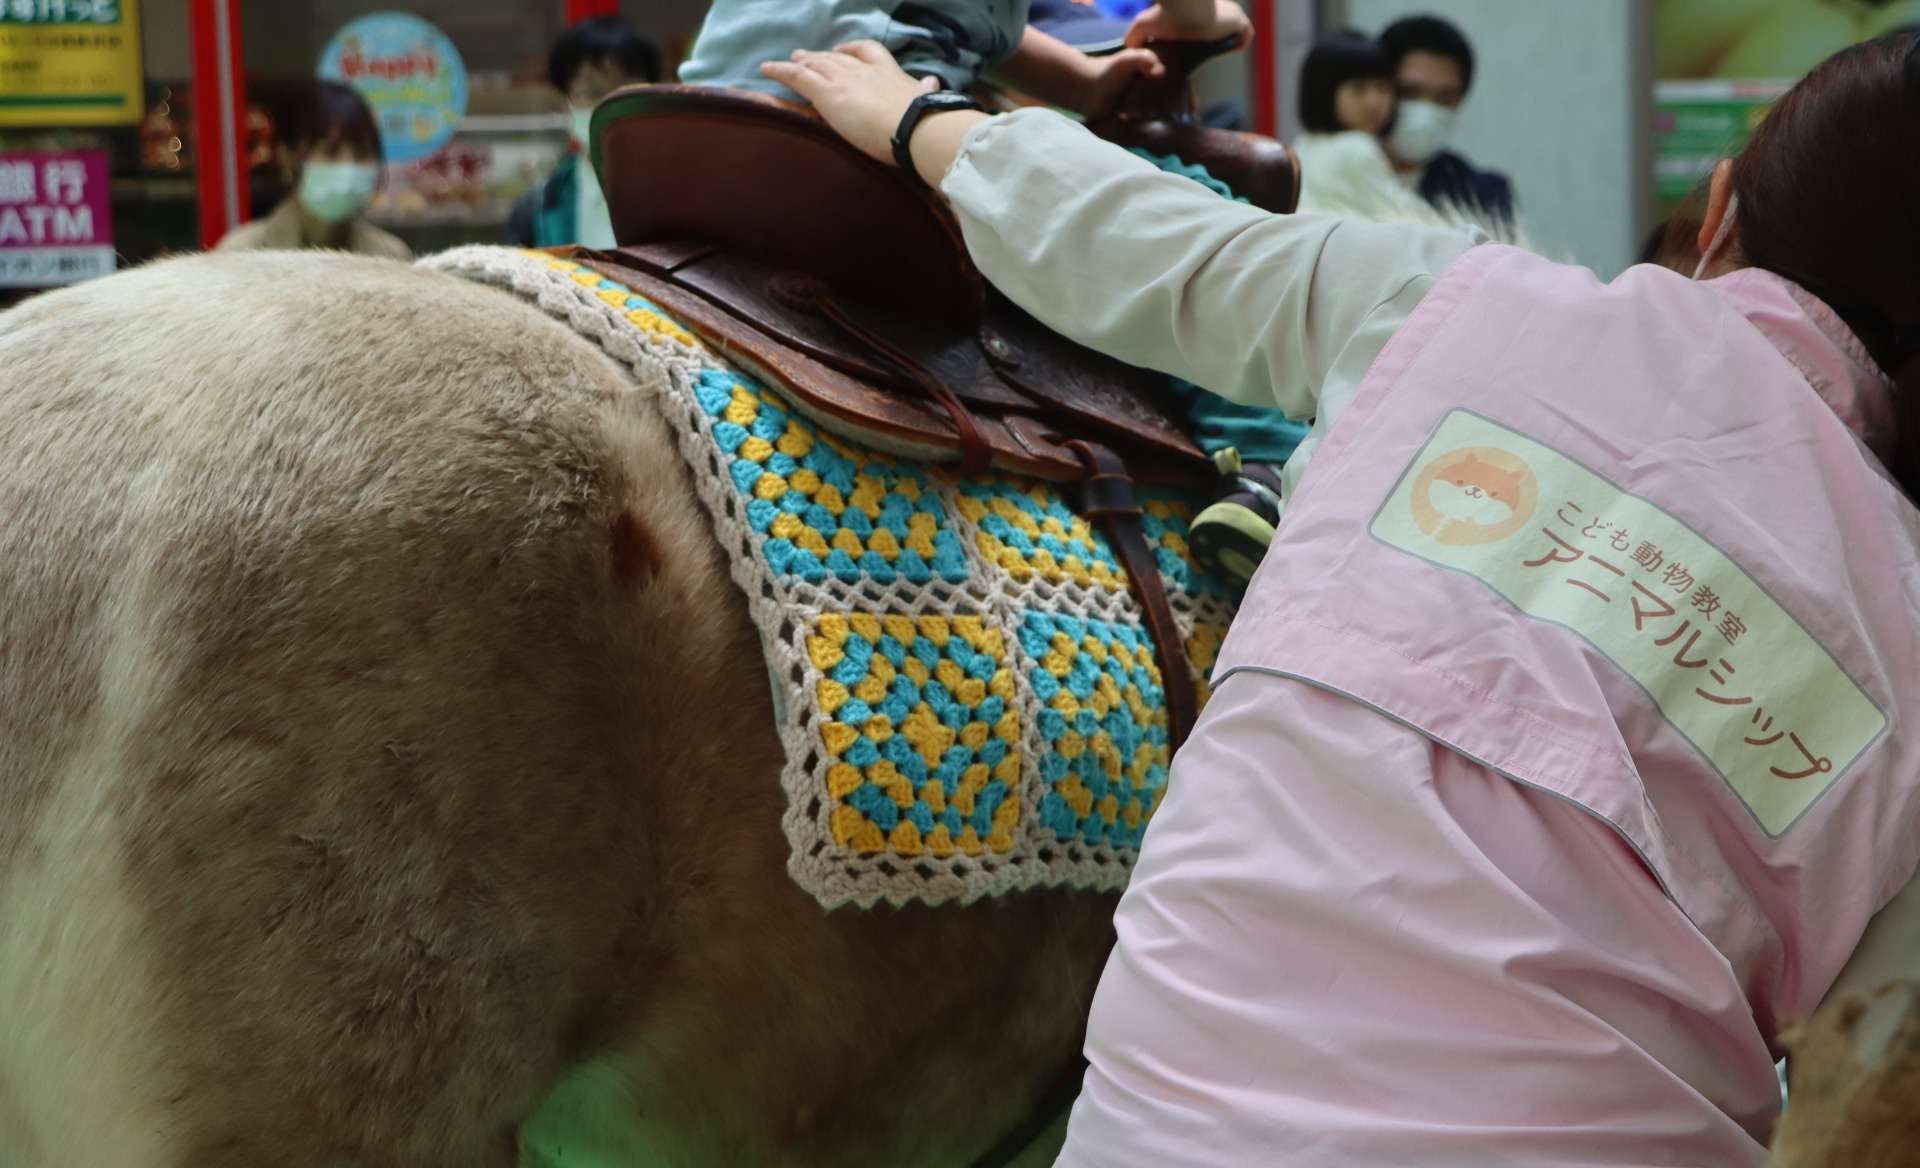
(1562, 103)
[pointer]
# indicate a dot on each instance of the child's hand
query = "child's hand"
(858, 88)
(1109, 77)
(1191, 20)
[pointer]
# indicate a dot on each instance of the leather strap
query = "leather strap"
(1108, 496)
(808, 294)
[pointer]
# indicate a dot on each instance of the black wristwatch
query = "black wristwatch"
(937, 101)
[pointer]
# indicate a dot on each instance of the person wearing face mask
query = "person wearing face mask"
(332, 152)
(1433, 70)
(589, 60)
(1346, 102)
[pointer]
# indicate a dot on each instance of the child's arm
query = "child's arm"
(1191, 20)
(1049, 69)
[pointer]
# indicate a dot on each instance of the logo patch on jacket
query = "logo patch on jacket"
(1765, 703)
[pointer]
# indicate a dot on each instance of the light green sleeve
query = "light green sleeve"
(1159, 271)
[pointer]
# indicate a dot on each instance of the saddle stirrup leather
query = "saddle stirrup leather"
(1108, 496)
(810, 295)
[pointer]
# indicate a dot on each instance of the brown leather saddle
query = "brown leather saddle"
(845, 286)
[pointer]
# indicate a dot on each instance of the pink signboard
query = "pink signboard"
(56, 218)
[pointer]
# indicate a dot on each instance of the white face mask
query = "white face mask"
(582, 116)
(1719, 237)
(1420, 131)
(335, 191)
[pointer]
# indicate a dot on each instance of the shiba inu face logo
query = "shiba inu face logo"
(1480, 494)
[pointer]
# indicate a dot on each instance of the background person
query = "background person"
(1346, 102)
(589, 60)
(332, 156)
(1433, 70)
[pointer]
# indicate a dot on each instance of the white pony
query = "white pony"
(388, 775)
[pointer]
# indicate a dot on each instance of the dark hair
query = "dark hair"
(1334, 60)
(1429, 34)
(602, 39)
(1676, 243)
(1828, 189)
(327, 113)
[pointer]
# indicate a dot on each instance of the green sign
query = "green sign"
(59, 11)
(69, 62)
(1696, 124)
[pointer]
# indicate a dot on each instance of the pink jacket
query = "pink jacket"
(1630, 544)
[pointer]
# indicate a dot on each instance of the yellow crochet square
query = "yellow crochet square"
(921, 734)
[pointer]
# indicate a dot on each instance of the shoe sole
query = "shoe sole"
(1229, 541)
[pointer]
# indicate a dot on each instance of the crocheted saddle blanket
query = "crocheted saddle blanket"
(966, 692)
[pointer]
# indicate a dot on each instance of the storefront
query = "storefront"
(131, 129)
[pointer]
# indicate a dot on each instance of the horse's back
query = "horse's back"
(384, 749)
(315, 583)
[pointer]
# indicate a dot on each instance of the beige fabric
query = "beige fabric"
(281, 231)
(1348, 174)
(1276, 310)
(1889, 952)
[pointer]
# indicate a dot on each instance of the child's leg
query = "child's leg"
(1231, 537)
(1249, 444)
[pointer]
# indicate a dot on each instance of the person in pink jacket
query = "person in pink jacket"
(1565, 746)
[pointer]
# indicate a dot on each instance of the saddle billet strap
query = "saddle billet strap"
(1108, 496)
(1120, 405)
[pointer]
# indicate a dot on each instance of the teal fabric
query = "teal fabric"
(556, 217)
(1260, 434)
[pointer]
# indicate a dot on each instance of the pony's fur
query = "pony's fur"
(1856, 1079)
(382, 744)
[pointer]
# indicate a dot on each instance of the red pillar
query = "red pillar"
(1265, 80)
(579, 10)
(219, 113)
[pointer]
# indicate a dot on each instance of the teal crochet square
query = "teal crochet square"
(1103, 717)
(824, 507)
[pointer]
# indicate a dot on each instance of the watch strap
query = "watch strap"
(938, 100)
